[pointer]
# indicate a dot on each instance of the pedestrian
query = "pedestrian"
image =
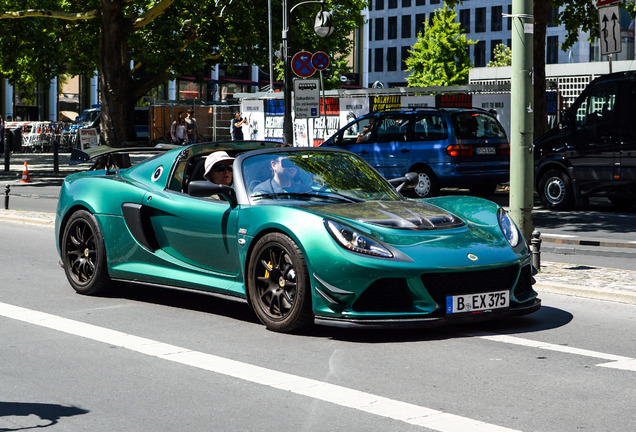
(178, 130)
(237, 126)
(192, 128)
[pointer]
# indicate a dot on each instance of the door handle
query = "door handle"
(405, 150)
(363, 152)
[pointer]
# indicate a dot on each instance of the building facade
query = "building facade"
(392, 27)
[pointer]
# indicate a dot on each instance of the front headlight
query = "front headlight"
(356, 242)
(508, 227)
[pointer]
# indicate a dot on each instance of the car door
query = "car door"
(390, 150)
(626, 175)
(195, 232)
(350, 138)
(594, 143)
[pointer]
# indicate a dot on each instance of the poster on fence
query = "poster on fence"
(88, 138)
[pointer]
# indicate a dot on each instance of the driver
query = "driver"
(283, 172)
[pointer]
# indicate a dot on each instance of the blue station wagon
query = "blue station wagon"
(447, 147)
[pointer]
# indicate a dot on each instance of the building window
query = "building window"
(419, 23)
(480, 54)
(405, 54)
(379, 4)
(370, 60)
(553, 17)
(434, 1)
(391, 59)
(509, 18)
(496, 18)
(379, 66)
(392, 30)
(379, 29)
(480, 20)
(393, 4)
(406, 26)
(552, 50)
(464, 20)
(420, 2)
(493, 45)
(406, 3)
(370, 29)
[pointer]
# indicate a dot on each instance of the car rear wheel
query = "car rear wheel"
(84, 255)
(427, 185)
(278, 284)
(555, 190)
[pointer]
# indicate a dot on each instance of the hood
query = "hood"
(410, 215)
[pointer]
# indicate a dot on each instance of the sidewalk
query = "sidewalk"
(570, 279)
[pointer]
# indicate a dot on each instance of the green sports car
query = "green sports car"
(304, 235)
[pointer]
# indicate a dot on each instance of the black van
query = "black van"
(592, 151)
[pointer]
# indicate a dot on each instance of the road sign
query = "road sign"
(307, 98)
(320, 60)
(610, 29)
(301, 64)
(605, 2)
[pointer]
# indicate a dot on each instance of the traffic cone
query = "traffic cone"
(25, 174)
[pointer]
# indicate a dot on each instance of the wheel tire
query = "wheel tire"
(278, 284)
(84, 255)
(555, 190)
(427, 185)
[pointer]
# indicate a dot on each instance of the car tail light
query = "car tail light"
(504, 149)
(459, 150)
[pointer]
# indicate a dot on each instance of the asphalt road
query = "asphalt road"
(161, 360)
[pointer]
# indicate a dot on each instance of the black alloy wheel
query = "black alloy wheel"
(84, 255)
(278, 284)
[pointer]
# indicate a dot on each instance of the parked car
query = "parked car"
(592, 151)
(90, 118)
(339, 245)
(462, 148)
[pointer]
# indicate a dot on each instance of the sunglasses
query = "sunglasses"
(221, 168)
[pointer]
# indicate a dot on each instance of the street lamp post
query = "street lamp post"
(322, 28)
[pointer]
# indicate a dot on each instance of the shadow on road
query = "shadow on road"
(48, 414)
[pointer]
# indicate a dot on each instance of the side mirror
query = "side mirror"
(203, 188)
(409, 179)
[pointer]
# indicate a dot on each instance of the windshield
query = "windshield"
(313, 176)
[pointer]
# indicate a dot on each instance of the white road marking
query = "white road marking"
(343, 396)
(616, 362)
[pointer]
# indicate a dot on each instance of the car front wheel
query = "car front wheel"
(278, 284)
(84, 255)
(555, 190)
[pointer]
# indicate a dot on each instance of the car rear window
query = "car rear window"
(471, 125)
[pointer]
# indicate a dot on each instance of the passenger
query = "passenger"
(218, 169)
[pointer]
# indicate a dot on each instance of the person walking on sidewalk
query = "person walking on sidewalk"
(192, 128)
(178, 131)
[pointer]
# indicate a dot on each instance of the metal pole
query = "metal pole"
(288, 127)
(271, 63)
(521, 118)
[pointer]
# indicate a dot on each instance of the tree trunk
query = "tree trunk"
(118, 97)
(541, 13)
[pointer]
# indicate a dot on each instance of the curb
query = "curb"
(588, 242)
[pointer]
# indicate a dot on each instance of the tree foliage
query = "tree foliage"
(138, 44)
(440, 55)
(502, 56)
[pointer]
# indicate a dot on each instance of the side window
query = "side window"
(429, 127)
(392, 128)
(598, 106)
(353, 132)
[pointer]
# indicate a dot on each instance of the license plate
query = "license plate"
(477, 302)
(486, 150)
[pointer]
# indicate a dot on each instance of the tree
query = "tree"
(502, 56)
(139, 44)
(440, 55)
